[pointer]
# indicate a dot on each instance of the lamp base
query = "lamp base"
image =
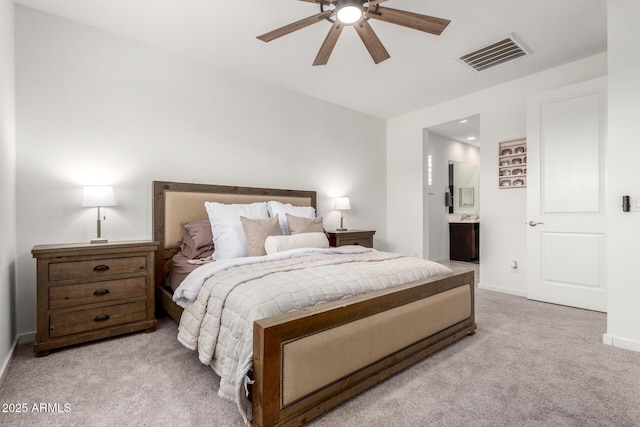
(99, 240)
(341, 229)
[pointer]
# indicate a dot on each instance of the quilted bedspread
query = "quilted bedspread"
(219, 322)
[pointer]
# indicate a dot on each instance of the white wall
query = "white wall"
(442, 149)
(7, 183)
(502, 112)
(623, 151)
(93, 107)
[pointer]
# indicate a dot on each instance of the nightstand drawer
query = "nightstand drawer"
(365, 241)
(95, 268)
(351, 237)
(72, 322)
(89, 293)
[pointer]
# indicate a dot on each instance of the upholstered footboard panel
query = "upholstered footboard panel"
(318, 360)
(311, 360)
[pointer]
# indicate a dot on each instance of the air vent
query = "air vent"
(498, 53)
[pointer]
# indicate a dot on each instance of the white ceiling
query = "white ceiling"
(422, 70)
(464, 129)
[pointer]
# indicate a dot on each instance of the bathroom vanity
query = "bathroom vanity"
(464, 240)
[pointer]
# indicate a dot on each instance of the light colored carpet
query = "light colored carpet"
(529, 364)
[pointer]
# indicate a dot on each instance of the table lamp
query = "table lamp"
(98, 196)
(342, 204)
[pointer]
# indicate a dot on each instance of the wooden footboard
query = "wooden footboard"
(311, 360)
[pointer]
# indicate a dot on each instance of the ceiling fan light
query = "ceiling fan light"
(350, 12)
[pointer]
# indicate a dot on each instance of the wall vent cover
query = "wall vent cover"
(495, 54)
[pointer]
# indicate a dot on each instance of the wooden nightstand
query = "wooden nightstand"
(92, 291)
(351, 237)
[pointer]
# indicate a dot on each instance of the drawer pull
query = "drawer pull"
(101, 318)
(101, 267)
(99, 292)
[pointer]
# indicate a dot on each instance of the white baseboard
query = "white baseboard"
(7, 360)
(20, 339)
(502, 289)
(625, 343)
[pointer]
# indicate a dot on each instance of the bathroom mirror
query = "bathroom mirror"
(464, 187)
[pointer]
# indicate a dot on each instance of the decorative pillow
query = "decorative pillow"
(228, 236)
(281, 209)
(257, 230)
(189, 249)
(197, 240)
(275, 244)
(304, 225)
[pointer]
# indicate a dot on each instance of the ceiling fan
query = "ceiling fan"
(356, 13)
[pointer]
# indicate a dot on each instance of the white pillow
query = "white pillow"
(274, 244)
(228, 236)
(280, 209)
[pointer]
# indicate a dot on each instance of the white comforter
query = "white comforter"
(223, 299)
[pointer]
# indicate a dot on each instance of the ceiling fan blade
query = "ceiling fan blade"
(428, 24)
(371, 41)
(324, 2)
(372, 3)
(329, 43)
(283, 31)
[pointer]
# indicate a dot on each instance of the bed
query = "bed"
(299, 367)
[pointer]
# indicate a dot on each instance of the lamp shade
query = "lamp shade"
(98, 195)
(342, 204)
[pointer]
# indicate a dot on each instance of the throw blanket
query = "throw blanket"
(219, 322)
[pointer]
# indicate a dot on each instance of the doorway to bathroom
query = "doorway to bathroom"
(451, 150)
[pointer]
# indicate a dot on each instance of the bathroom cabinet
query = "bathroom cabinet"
(464, 241)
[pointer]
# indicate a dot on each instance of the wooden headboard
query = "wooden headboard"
(178, 202)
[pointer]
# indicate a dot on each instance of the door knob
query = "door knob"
(534, 223)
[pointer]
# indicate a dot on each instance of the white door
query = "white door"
(566, 131)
